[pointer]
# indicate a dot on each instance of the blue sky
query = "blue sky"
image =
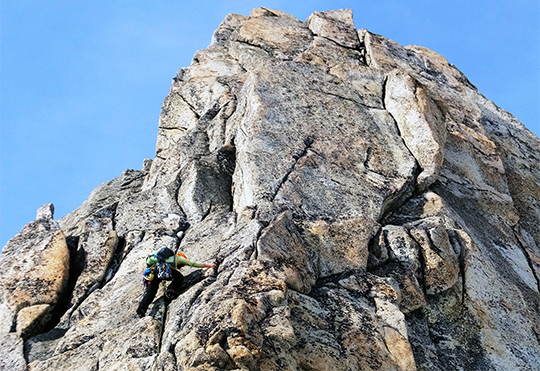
(82, 81)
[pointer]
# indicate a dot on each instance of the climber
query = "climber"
(163, 265)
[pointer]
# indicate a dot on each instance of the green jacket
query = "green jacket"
(176, 262)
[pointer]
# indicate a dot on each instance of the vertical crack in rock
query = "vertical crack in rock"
(74, 272)
(368, 157)
(405, 193)
(456, 239)
(527, 255)
(308, 142)
(385, 83)
(377, 256)
(226, 158)
(116, 261)
(165, 309)
(418, 169)
(110, 245)
(185, 317)
(423, 265)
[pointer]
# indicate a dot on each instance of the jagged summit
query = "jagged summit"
(367, 209)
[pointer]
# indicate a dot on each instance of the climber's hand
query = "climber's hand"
(209, 266)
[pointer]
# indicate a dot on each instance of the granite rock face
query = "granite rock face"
(35, 270)
(366, 207)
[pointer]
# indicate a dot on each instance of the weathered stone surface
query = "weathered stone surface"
(404, 265)
(336, 25)
(366, 207)
(32, 319)
(282, 247)
(147, 211)
(12, 354)
(35, 273)
(274, 31)
(421, 124)
(441, 267)
(204, 187)
(342, 245)
(93, 257)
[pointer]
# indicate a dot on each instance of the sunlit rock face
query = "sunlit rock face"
(367, 209)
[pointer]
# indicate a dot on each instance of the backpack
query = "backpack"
(164, 253)
(164, 269)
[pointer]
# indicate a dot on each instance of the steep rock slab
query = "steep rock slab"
(520, 155)
(421, 124)
(36, 271)
(473, 182)
(149, 210)
(316, 143)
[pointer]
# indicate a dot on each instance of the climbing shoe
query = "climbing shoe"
(170, 295)
(140, 313)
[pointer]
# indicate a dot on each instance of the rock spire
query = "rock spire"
(367, 209)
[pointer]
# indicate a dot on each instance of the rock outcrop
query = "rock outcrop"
(366, 207)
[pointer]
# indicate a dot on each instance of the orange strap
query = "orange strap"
(182, 255)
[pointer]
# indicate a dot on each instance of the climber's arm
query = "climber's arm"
(180, 261)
